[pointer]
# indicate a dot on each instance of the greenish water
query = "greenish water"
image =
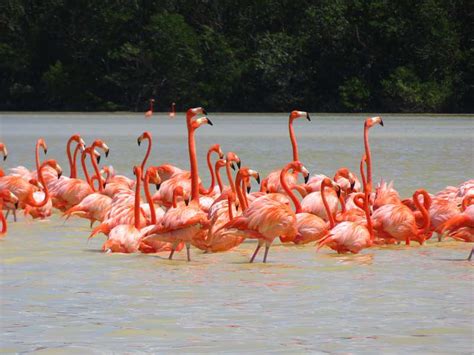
(59, 293)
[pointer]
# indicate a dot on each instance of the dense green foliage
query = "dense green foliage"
(229, 55)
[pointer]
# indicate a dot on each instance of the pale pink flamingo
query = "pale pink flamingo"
(351, 236)
(313, 202)
(369, 122)
(385, 194)
(184, 223)
(172, 110)
(398, 222)
(309, 227)
(347, 181)
(72, 158)
(272, 182)
(461, 226)
(6, 196)
(149, 113)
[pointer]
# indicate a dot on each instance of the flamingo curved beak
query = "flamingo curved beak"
(232, 166)
(107, 153)
(258, 178)
(249, 188)
(5, 157)
(157, 186)
(139, 141)
(352, 185)
(98, 159)
(307, 117)
(381, 122)
(239, 163)
(306, 178)
(209, 122)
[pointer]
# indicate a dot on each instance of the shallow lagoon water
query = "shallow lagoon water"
(59, 293)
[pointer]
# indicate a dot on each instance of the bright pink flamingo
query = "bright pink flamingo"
(173, 110)
(398, 222)
(216, 148)
(184, 223)
(265, 219)
(9, 197)
(145, 135)
(351, 236)
(461, 226)
(272, 182)
(149, 113)
(370, 122)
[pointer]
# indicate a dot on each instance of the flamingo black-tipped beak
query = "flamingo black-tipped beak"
(98, 159)
(104, 184)
(338, 192)
(107, 153)
(248, 189)
(209, 122)
(4, 157)
(204, 112)
(139, 141)
(352, 185)
(258, 179)
(381, 122)
(307, 117)
(232, 166)
(186, 202)
(239, 163)
(59, 174)
(158, 186)
(16, 205)
(45, 150)
(306, 178)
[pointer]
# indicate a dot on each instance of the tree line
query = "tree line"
(245, 55)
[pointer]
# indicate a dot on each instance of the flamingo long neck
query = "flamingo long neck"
(32, 202)
(368, 155)
(423, 208)
(230, 200)
(218, 177)
(342, 201)
(367, 216)
(229, 176)
(137, 198)
(147, 154)
(240, 196)
(211, 171)
(194, 165)
(69, 156)
(74, 160)
(37, 159)
(84, 168)
(288, 191)
(244, 192)
(362, 172)
(332, 223)
(4, 221)
(97, 172)
(149, 199)
(294, 143)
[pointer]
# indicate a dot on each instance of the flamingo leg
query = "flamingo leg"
(14, 215)
(188, 246)
(255, 253)
(267, 248)
(470, 255)
(171, 254)
(92, 223)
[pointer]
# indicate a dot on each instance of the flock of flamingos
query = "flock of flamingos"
(343, 213)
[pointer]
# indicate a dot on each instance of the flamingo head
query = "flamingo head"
(137, 171)
(296, 114)
(53, 164)
(372, 121)
(153, 176)
(217, 148)
(198, 122)
(195, 111)
(231, 157)
(42, 144)
(99, 143)
(145, 135)
(330, 183)
(220, 163)
(298, 167)
(4, 151)
(345, 178)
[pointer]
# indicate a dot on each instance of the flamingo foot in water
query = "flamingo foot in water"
(188, 246)
(470, 255)
(255, 253)
(267, 248)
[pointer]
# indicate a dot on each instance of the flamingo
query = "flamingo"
(173, 110)
(4, 151)
(272, 182)
(184, 223)
(397, 222)
(6, 196)
(461, 226)
(369, 123)
(149, 113)
(351, 236)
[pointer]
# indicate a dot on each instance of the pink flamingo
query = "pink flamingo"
(397, 222)
(370, 122)
(9, 197)
(184, 223)
(351, 236)
(461, 226)
(149, 113)
(173, 110)
(272, 182)
(347, 181)
(72, 159)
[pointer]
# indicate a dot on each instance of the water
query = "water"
(58, 293)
